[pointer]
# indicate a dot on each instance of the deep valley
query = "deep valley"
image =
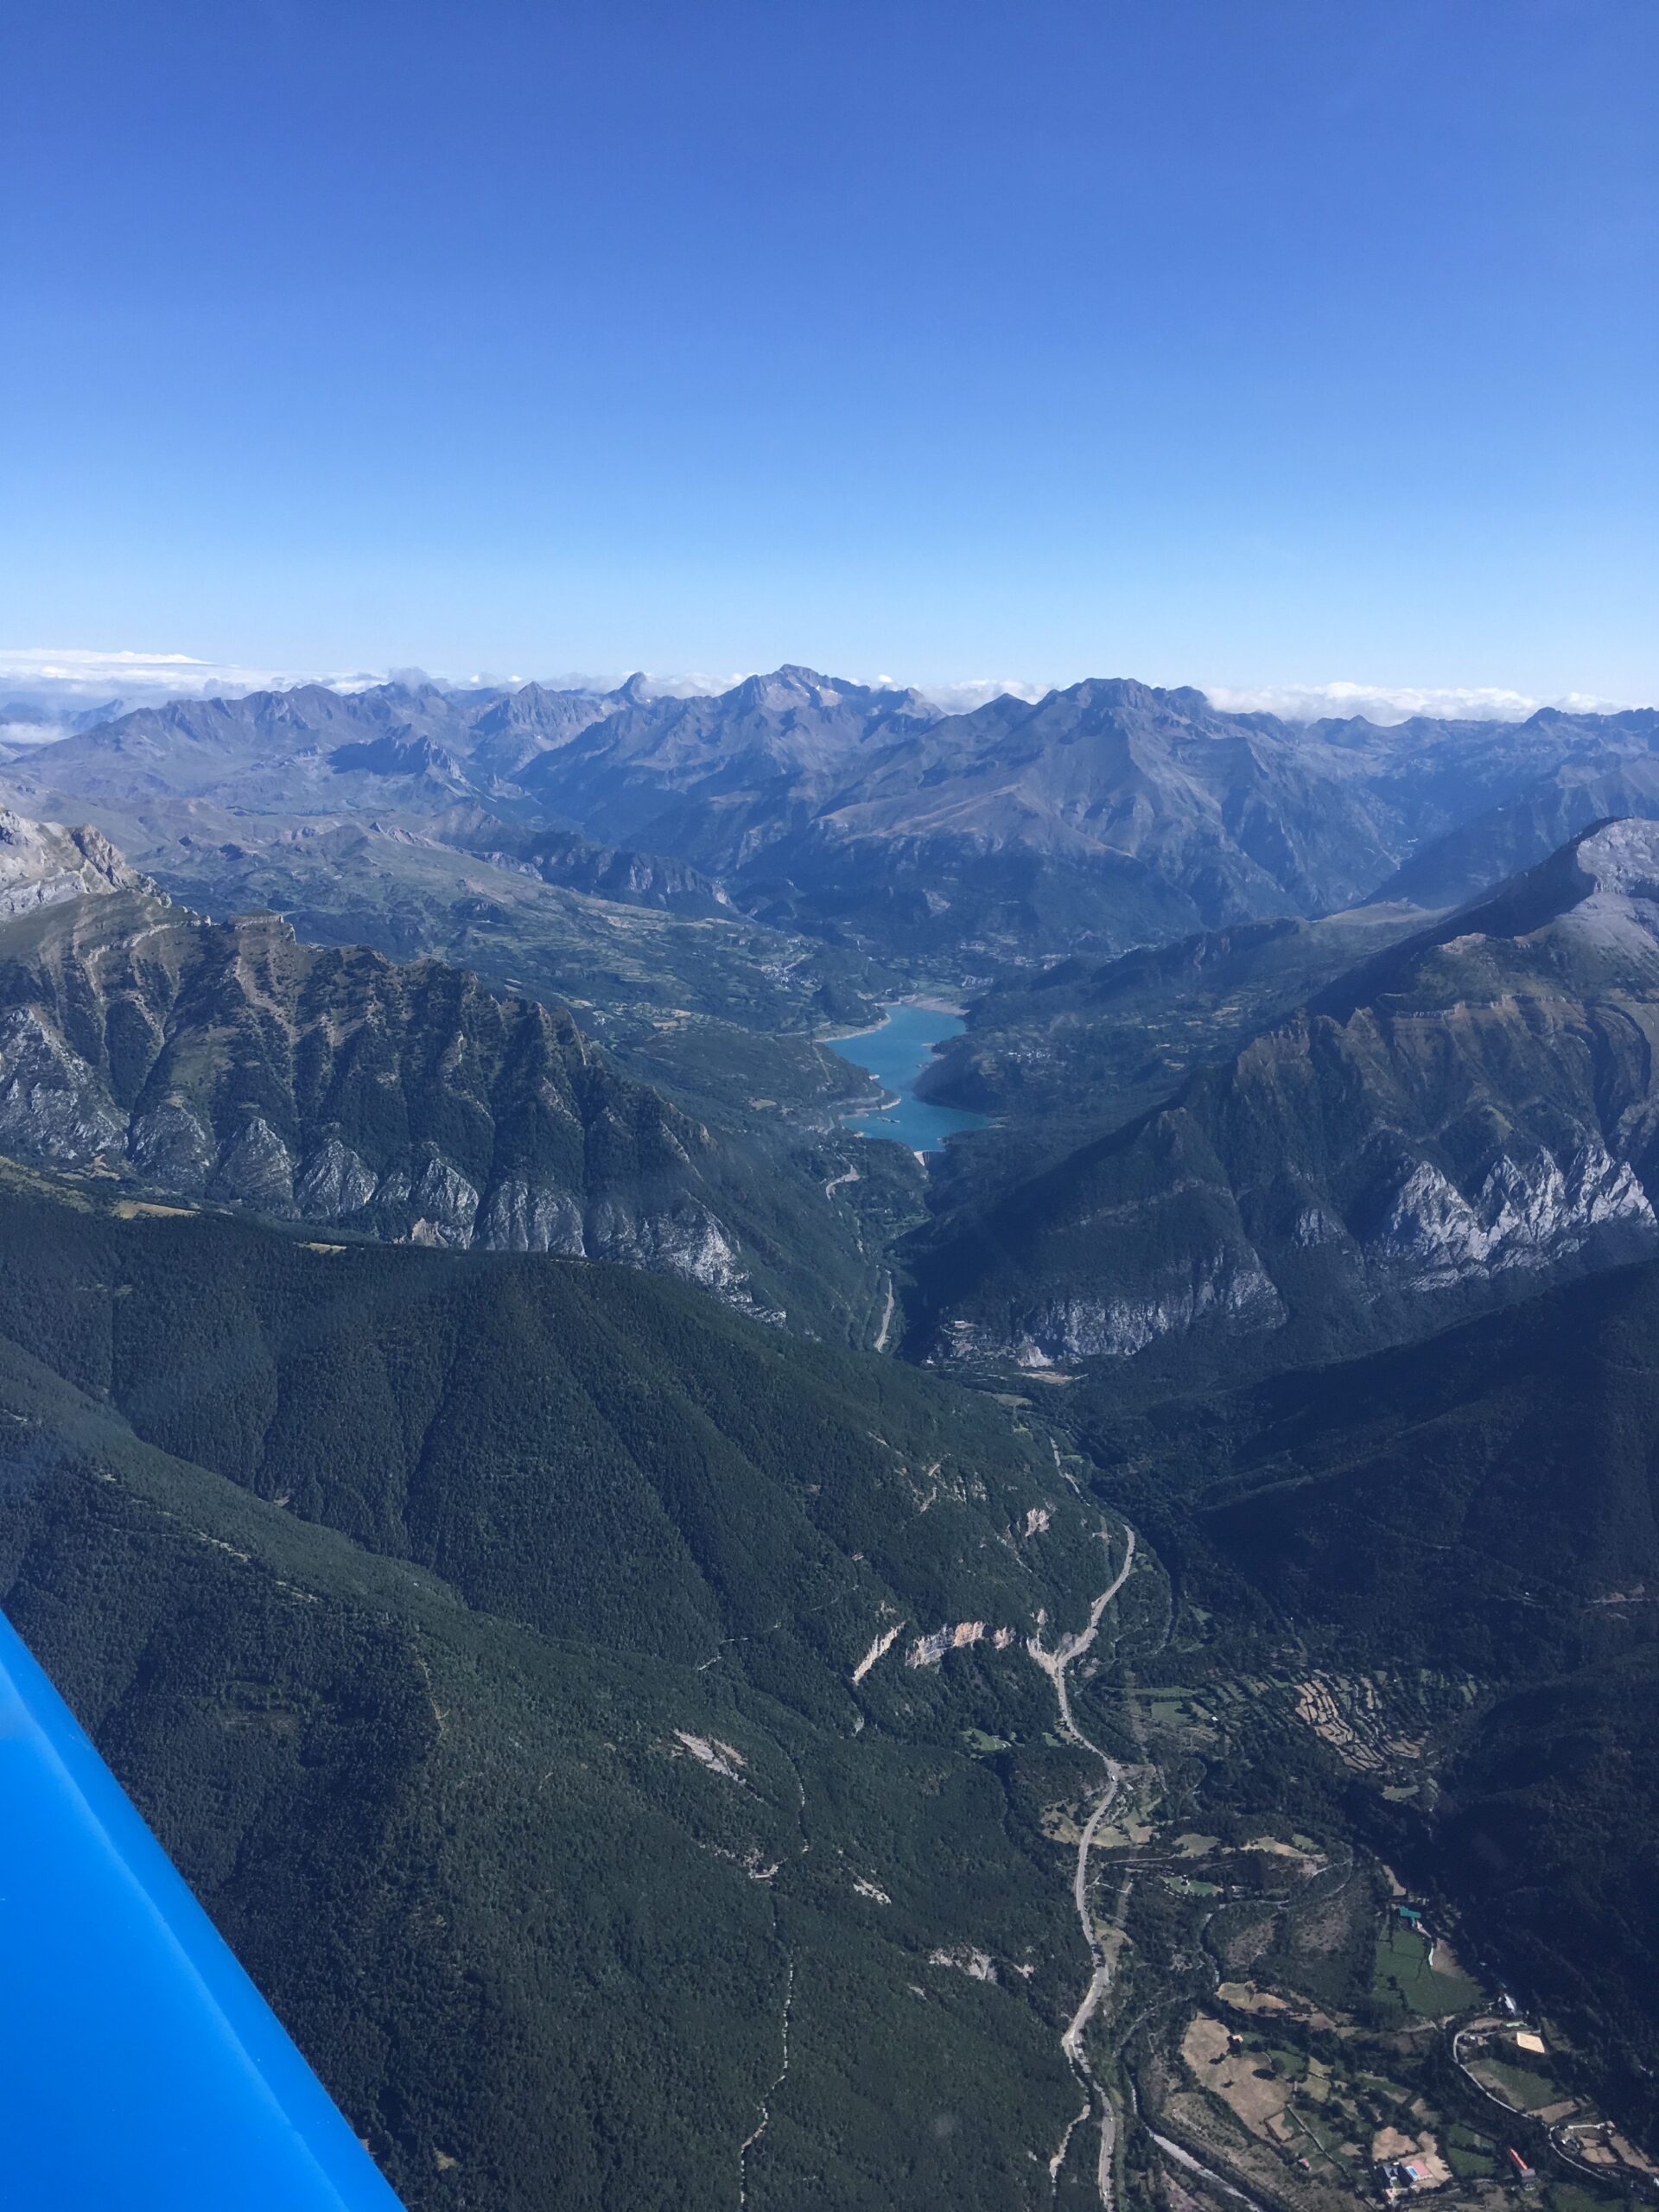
(1088, 1642)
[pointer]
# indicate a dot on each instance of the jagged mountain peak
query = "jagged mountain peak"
(1602, 888)
(792, 684)
(1621, 854)
(1614, 859)
(1107, 691)
(789, 685)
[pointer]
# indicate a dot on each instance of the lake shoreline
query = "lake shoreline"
(895, 1053)
(922, 1004)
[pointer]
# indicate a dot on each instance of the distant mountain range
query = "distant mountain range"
(1103, 816)
(1148, 885)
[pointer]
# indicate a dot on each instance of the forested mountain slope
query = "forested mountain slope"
(560, 1692)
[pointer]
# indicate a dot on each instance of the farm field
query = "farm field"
(1404, 1974)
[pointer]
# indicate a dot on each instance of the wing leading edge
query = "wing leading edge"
(140, 2068)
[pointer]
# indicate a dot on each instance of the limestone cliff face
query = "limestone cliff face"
(1525, 1214)
(42, 864)
(1220, 1286)
(1474, 1108)
(231, 1065)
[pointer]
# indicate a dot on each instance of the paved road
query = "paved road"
(1055, 1665)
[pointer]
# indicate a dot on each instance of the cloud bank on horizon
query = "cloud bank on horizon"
(43, 688)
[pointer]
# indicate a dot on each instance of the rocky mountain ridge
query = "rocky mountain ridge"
(228, 1063)
(1591, 785)
(1472, 1108)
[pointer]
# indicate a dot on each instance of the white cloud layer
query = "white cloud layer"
(976, 691)
(44, 691)
(77, 672)
(1381, 703)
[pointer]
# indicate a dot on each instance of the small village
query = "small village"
(1461, 2094)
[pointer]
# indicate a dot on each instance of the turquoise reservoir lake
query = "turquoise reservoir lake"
(895, 1055)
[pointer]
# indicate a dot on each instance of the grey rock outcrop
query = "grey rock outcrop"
(232, 1064)
(445, 1203)
(519, 1216)
(684, 1239)
(1524, 1215)
(256, 1169)
(169, 1146)
(42, 864)
(334, 1183)
(1223, 1287)
(52, 1106)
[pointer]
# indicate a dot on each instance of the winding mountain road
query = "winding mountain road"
(1055, 1664)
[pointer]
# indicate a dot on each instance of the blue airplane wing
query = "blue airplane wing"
(140, 2068)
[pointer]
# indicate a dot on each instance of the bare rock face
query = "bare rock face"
(42, 864)
(445, 1203)
(956, 1636)
(52, 1106)
(256, 1169)
(519, 1216)
(1524, 1215)
(171, 1146)
(232, 1064)
(334, 1183)
(1222, 1286)
(684, 1240)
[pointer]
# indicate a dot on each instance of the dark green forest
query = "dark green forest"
(396, 1585)
(478, 1633)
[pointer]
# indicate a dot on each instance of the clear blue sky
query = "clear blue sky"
(1226, 341)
